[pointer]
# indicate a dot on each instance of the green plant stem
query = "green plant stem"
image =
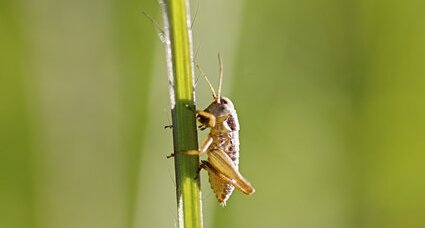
(180, 70)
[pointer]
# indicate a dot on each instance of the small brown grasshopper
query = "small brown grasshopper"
(221, 145)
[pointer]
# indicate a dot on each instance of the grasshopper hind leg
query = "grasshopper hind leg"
(222, 189)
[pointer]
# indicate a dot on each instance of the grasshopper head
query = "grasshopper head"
(221, 108)
(218, 111)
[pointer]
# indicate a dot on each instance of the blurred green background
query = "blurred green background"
(330, 97)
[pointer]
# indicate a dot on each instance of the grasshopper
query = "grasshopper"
(221, 145)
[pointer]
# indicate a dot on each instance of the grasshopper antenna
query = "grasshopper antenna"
(220, 82)
(208, 81)
(161, 32)
(194, 17)
(195, 57)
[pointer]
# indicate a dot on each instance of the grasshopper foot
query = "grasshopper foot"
(186, 152)
(198, 171)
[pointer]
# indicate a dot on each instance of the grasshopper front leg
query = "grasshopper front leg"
(206, 120)
(202, 150)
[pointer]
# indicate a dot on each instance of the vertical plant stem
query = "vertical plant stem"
(178, 39)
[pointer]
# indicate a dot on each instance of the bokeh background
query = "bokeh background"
(330, 97)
